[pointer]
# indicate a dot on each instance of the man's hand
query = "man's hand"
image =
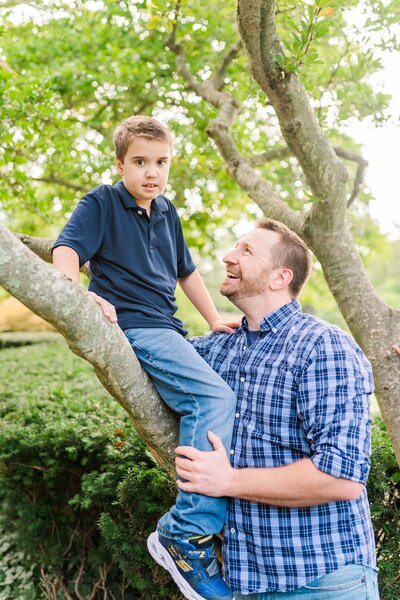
(107, 308)
(208, 473)
(225, 327)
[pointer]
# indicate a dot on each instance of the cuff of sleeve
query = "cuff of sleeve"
(338, 465)
(187, 272)
(69, 245)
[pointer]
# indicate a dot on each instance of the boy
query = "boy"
(133, 238)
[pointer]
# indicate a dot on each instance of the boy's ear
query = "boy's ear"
(120, 166)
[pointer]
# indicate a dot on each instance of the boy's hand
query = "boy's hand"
(108, 309)
(225, 327)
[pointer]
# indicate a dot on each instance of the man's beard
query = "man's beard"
(245, 289)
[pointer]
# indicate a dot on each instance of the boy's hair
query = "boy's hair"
(290, 252)
(138, 126)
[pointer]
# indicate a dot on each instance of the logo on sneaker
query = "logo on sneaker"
(182, 564)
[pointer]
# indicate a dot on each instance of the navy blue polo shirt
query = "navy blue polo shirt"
(134, 261)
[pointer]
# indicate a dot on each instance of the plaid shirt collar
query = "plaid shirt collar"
(276, 320)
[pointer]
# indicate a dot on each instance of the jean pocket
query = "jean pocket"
(346, 578)
(140, 352)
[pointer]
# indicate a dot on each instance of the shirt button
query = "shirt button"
(139, 212)
(232, 451)
(237, 415)
(232, 530)
(244, 347)
(242, 379)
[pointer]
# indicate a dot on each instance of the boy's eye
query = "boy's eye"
(140, 162)
(162, 161)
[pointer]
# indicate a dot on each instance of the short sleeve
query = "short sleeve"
(84, 231)
(334, 406)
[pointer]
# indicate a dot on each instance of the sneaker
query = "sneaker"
(193, 565)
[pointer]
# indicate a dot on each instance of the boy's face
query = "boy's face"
(145, 169)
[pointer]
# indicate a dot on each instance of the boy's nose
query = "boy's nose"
(151, 172)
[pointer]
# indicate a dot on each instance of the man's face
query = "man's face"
(249, 265)
(145, 169)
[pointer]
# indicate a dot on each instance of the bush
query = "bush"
(70, 460)
(80, 493)
(384, 496)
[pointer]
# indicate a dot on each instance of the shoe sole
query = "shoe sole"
(163, 558)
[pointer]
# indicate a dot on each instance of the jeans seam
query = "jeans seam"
(333, 588)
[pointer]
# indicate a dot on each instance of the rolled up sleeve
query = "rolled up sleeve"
(334, 407)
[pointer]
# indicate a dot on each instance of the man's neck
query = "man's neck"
(255, 310)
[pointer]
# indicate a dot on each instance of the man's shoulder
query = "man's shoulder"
(313, 336)
(208, 342)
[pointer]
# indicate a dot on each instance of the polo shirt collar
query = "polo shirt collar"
(278, 318)
(129, 201)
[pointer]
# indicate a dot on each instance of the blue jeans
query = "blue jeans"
(352, 582)
(205, 402)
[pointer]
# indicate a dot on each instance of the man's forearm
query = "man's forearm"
(299, 484)
(296, 485)
(66, 260)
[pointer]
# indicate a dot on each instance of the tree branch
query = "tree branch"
(67, 184)
(359, 178)
(269, 155)
(278, 153)
(71, 310)
(239, 168)
(42, 248)
(218, 80)
(325, 173)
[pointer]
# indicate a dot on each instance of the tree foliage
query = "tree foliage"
(274, 133)
(75, 69)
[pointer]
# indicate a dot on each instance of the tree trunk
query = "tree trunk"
(375, 326)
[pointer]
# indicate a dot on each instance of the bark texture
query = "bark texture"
(72, 311)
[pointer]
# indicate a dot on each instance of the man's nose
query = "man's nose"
(231, 257)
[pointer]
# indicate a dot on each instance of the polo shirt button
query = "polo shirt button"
(242, 379)
(237, 415)
(232, 530)
(139, 212)
(232, 451)
(244, 347)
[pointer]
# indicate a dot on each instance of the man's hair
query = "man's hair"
(138, 126)
(290, 252)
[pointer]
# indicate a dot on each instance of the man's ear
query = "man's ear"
(120, 166)
(281, 279)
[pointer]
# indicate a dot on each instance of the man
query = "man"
(298, 523)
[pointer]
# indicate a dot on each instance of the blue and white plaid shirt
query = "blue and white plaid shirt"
(303, 392)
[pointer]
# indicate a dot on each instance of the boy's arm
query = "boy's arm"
(195, 289)
(66, 260)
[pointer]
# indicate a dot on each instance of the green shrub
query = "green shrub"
(384, 496)
(70, 461)
(80, 493)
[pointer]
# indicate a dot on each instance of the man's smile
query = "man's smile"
(231, 275)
